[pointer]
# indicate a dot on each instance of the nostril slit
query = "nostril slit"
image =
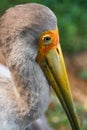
(58, 51)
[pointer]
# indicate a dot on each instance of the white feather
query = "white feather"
(4, 71)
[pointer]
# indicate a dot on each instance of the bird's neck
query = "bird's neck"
(22, 82)
(20, 86)
(32, 86)
(29, 81)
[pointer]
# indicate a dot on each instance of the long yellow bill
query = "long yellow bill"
(51, 61)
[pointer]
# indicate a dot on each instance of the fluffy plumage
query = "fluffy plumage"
(25, 96)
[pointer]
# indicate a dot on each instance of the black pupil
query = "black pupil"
(46, 39)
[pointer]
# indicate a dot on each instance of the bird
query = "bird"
(29, 42)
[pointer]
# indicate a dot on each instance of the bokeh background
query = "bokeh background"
(72, 23)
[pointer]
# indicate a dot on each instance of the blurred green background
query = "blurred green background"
(72, 20)
(72, 23)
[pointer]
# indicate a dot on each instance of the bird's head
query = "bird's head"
(32, 32)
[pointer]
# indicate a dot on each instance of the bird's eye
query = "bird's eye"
(47, 40)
